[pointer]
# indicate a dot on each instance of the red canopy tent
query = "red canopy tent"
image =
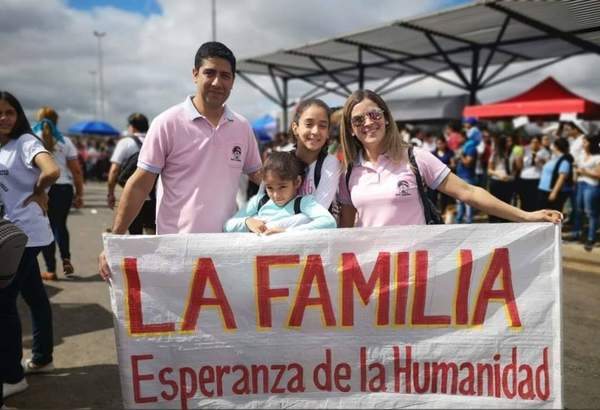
(547, 99)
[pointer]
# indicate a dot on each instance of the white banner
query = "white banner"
(462, 316)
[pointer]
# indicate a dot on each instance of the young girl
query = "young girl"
(282, 176)
(310, 128)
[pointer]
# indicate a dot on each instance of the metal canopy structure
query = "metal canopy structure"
(468, 47)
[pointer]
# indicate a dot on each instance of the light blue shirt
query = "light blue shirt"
(546, 175)
(320, 218)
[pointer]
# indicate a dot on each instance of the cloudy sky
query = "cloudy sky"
(50, 55)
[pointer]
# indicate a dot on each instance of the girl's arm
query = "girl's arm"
(49, 173)
(73, 165)
(560, 181)
(238, 222)
(592, 173)
(481, 199)
(320, 218)
(347, 216)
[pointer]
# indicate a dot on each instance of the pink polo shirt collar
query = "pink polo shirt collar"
(192, 112)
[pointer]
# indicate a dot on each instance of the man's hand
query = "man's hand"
(256, 225)
(78, 201)
(103, 268)
(110, 201)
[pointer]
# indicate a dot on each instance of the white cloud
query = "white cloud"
(48, 51)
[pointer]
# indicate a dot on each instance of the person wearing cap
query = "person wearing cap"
(470, 126)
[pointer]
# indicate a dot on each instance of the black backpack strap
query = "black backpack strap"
(318, 167)
(415, 169)
(297, 202)
(262, 202)
(138, 142)
(348, 172)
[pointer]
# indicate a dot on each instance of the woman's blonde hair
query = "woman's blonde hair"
(393, 144)
(48, 113)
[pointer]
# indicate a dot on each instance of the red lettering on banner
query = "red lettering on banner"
(206, 274)
(467, 385)
(512, 370)
(499, 266)
(402, 277)
(264, 293)
(171, 383)
(352, 277)
(136, 378)
(313, 273)
(462, 290)
(134, 303)
(526, 385)
(420, 292)
(242, 385)
(406, 369)
(188, 388)
(280, 369)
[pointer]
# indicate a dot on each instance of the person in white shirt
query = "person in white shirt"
(27, 170)
(587, 171)
(145, 221)
(534, 158)
(61, 196)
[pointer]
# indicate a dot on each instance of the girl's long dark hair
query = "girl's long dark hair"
(22, 125)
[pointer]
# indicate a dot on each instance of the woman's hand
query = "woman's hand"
(256, 225)
(545, 215)
(40, 198)
(552, 196)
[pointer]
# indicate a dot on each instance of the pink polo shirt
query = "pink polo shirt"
(199, 166)
(386, 193)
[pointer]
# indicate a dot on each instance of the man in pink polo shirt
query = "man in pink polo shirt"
(200, 148)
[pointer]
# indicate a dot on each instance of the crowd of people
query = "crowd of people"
(354, 168)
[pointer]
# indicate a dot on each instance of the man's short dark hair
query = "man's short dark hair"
(138, 121)
(214, 49)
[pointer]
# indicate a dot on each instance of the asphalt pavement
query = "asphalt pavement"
(87, 376)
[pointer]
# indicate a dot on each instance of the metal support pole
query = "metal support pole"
(284, 105)
(474, 84)
(361, 70)
(99, 36)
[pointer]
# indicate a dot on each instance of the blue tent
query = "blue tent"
(265, 128)
(94, 127)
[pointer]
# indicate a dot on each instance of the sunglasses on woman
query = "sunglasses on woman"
(374, 115)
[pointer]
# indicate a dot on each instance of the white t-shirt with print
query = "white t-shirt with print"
(64, 152)
(589, 163)
(18, 176)
(530, 169)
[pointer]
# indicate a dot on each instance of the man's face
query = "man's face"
(214, 80)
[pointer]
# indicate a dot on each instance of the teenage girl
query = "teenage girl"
(61, 195)
(27, 170)
(310, 128)
(282, 177)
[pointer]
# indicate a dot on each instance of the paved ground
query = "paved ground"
(85, 356)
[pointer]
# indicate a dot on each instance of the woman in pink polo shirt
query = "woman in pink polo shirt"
(381, 188)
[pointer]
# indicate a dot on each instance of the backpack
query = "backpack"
(12, 245)
(130, 165)
(265, 199)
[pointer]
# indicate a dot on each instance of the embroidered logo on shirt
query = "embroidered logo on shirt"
(236, 153)
(402, 188)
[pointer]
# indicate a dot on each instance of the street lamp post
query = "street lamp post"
(214, 19)
(99, 36)
(94, 92)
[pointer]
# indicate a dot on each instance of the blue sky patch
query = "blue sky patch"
(143, 7)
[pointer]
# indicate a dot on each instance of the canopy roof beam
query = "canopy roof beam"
(553, 31)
